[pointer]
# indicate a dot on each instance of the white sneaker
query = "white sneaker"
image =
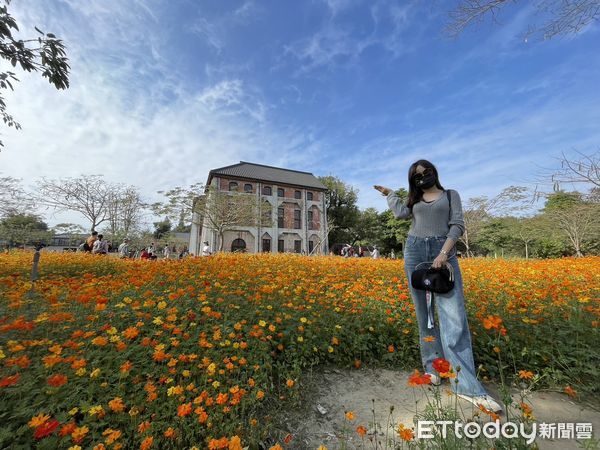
(435, 380)
(484, 400)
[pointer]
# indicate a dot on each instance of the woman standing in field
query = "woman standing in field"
(432, 237)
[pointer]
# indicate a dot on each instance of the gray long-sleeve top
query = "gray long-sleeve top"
(431, 219)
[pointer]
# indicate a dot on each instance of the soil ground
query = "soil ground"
(371, 393)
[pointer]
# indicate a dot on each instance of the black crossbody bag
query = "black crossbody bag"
(439, 280)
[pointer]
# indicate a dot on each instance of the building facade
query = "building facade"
(297, 205)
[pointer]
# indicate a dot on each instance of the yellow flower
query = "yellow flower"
(262, 323)
(81, 371)
(75, 447)
(158, 320)
(330, 349)
(161, 305)
(216, 384)
(303, 319)
(95, 373)
(2, 355)
(300, 339)
(73, 411)
(350, 415)
(112, 330)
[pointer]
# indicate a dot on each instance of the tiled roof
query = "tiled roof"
(271, 174)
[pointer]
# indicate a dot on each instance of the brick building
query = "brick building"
(297, 204)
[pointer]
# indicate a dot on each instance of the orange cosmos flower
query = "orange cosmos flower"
(350, 415)
(525, 374)
(184, 409)
(38, 420)
(570, 391)
(416, 379)
(492, 322)
(147, 443)
(390, 348)
(131, 333)
(276, 447)
(289, 383)
(143, 427)
(10, 380)
(116, 404)
(46, 429)
(429, 338)
(169, 433)
(406, 434)
(235, 443)
(67, 429)
(100, 341)
(126, 367)
(361, 430)
(57, 380)
(441, 365)
(79, 433)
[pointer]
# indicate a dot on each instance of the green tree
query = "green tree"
(161, 228)
(44, 53)
(575, 217)
(178, 204)
(342, 212)
(23, 229)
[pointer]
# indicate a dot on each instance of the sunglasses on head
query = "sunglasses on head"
(419, 176)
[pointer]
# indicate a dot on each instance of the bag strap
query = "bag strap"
(449, 203)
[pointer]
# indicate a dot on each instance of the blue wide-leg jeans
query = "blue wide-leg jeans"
(452, 337)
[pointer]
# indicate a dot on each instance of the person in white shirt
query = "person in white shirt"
(124, 249)
(375, 253)
(167, 252)
(100, 246)
(206, 249)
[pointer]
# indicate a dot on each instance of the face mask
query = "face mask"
(425, 182)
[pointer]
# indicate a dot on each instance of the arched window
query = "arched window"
(233, 186)
(248, 188)
(267, 190)
(280, 192)
(297, 194)
(309, 196)
(238, 245)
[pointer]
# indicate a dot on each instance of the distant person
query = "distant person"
(88, 245)
(152, 249)
(124, 249)
(100, 246)
(375, 254)
(206, 249)
(167, 252)
(145, 254)
(392, 254)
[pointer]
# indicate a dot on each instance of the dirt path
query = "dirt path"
(371, 393)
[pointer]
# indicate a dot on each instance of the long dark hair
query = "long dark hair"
(415, 194)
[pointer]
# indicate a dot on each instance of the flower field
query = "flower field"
(108, 353)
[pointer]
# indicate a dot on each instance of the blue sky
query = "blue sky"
(163, 91)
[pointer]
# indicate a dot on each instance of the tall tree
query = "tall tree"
(224, 210)
(44, 53)
(342, 212)
(125, 209)
(552, 17)
(479, 210)
(178, 205)
(87, 195)
(574, 216)
(13, 199)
